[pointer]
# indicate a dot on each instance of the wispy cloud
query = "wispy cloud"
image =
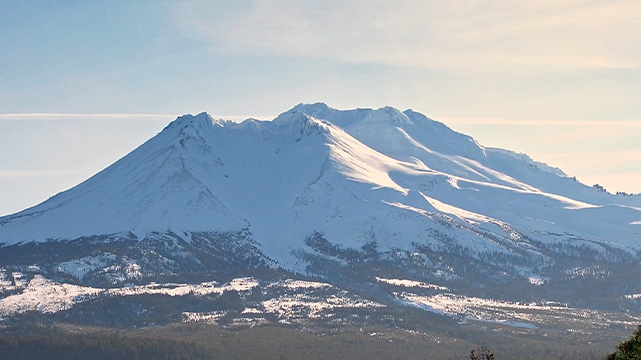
(476, 35)
(144, 117)
(546, 123)
(34, 173)
(53, 116)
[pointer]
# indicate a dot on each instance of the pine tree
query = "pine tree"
(481, 353)
(629, 349)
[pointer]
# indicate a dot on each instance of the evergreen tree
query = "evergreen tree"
(481, 353)
(629, 349)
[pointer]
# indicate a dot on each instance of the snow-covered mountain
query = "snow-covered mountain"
(362, 199)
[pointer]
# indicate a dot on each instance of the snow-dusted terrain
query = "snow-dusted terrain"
(360, 198)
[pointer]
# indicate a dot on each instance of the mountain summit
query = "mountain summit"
(201, 174)
(349, 197)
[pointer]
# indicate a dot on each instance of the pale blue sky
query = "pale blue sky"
(559, 80)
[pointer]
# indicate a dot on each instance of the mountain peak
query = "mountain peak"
(199, 121)
(345, 118)
(317, 110)
(386, 128)
(210, 164)
(388, 113)
(192, 126)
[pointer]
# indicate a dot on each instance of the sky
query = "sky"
(82, 83)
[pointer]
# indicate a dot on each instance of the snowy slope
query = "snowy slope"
(351, 175)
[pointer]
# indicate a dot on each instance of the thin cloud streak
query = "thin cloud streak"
(52, 116)
(153, 117)
(34, 173)
(495, 121)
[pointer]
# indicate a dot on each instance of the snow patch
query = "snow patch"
(411, 283)
(300, 284)
(524, 315)
(302, 305)
(80, 267)
(206, 317)
(537, 281)
(46, 296)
